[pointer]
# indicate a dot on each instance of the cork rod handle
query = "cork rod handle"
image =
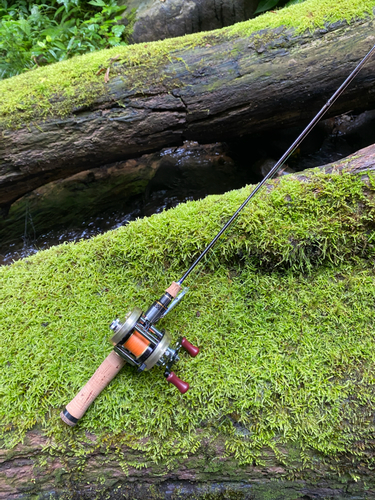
(173, 289)
(101, 378)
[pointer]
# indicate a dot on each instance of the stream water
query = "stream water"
(186, 173)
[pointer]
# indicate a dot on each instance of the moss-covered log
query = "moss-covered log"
(213, 86)
(282, 400)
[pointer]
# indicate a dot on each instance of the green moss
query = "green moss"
(308, 15)
(60, 89)
(283, 312)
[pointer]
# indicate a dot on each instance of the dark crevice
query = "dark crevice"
(129, 104)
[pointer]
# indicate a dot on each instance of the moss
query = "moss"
(283, 312)
(62, 88)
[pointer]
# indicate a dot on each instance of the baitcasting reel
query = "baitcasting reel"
(142, 345)
(137, 342)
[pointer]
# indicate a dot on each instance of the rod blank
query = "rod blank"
(283, 159)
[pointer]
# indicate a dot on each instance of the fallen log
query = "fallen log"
(282, 401)
(209, 87)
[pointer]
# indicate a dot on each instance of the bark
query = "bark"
(207, 474)
(38, 467)
(227, 88)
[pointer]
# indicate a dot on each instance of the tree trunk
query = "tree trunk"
(39, 467)
(227, 88)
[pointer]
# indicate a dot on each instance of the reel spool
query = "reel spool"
(144, 346)
(137, 342)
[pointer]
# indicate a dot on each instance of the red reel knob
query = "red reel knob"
(190, 348)
(180, 384)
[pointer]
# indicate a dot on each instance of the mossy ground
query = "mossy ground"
(59, 89)
(283, 313)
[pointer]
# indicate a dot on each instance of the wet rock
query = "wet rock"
(159, 19)
(340, 136)
(355, 127)
(196, 170)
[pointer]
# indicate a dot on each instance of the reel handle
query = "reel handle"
(101, 378)
(177, 382)
(190, 348)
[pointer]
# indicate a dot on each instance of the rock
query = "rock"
(265, 165)
(160, 19)
(360, 125)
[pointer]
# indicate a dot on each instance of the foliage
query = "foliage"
(283, 314)
(265, 5)
(37, 33)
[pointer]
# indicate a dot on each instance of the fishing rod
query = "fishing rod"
(136, 340)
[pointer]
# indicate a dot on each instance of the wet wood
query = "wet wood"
(218, 92)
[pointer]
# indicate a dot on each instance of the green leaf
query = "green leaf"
(59, 10)
(53, 53)
(118, 30)
(50, 32)
(59, 45)
(65, 4)
(71, 41)
(292, 2)
(25, 26)
(93, 27)
(265, 5)
(98, 3)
